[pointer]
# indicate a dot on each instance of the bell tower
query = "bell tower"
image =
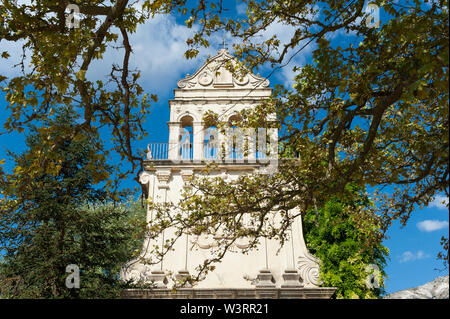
(266, 272)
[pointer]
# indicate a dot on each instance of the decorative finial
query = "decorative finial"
(224, 43)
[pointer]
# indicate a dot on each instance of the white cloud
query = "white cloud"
(158, 52)
(440, 202)
(412, 256)
(432, 225)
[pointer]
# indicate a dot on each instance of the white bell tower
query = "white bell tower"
(266, 272)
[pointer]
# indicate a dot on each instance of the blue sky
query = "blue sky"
(158, 48)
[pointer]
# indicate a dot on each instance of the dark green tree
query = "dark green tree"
(347, 241)
(62, 216)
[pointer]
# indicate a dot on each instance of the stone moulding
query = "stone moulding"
(229, 293)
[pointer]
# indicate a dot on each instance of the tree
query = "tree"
(370, 111)
(57, 219)
(340, 237)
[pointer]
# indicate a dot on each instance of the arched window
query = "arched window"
(186, 137)
(211, 143)
(236, 133)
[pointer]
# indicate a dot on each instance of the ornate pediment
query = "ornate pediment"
(214, 74)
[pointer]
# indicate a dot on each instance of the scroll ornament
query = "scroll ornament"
(308, 266)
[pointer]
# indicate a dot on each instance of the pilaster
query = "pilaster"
(174, 143)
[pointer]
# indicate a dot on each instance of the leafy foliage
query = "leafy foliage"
(52, 220)
(345, 249)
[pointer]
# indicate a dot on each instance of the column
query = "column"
(221, 146)
(291, 277)
(199, 141)
(157, 275)
(183, 273)
(273, 151)
(250, 134)
(174, 143)
(265, 278)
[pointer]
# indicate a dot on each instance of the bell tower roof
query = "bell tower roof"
(215, 74)
(221, 85)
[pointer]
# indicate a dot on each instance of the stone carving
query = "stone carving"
(241, 81)
(308, 266)
(186, 175)
(291, 279)
(209, 241)
(187, 82)
(158, 278)
(205, 79)
(265, 279)
(135, 272)
(260, 81)
(214, 74)
(242, 243)
(163, 177)
(253, 280)
(139, 277)
(204, 241)
(144, 178)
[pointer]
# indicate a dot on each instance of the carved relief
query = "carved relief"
(241, 81)
(144, 178)
(259, 81)
(186, 175)
(187, 82)
(308, 266)
(204, 241)
(205, 78)
(163, 178)
(135, 272)
(214, 74)
(242, 243)
(209, 241)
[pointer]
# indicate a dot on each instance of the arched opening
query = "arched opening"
(237, 141)
(186, 137)
(211, 143)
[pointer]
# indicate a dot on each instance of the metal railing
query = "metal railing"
(157, 151)
(160, 151)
